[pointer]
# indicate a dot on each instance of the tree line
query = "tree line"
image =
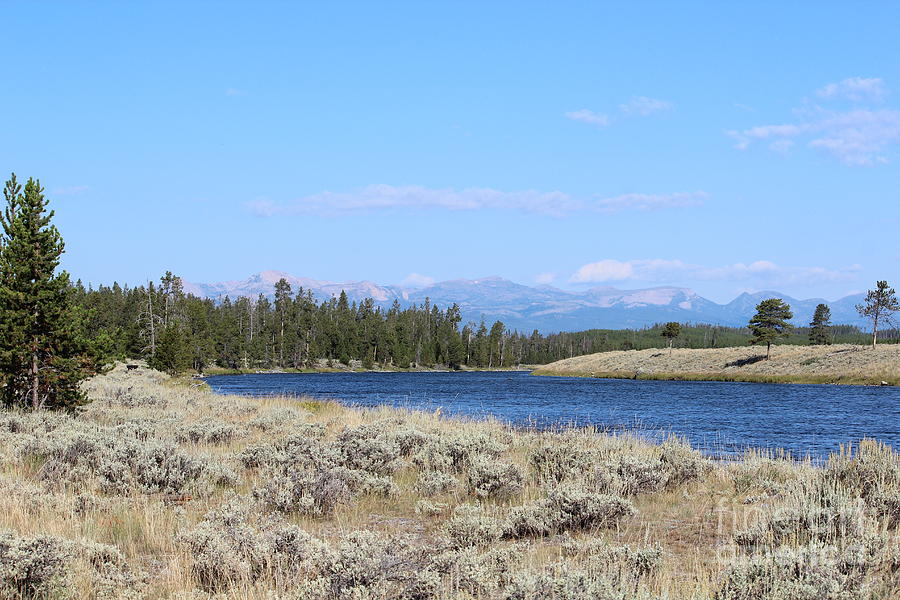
(54, 333)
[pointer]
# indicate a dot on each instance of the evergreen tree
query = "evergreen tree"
(878, 306)
(42, 354)
(819, 327)
(671, 331)
(173, 352)
(770, 322)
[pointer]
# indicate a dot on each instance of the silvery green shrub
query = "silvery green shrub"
(112, 578)
(309, 492)
(556, 462)
(468, 526)
(368, 448)
(635, 476)
(682, 462)
(409, 440)
(285, 417)
(453, 452)
(566, 508)
(562, 581)
(34, 567)
(295, 451)
(120, 461)
(431, 483)
(814, 511)
(622, 564)
(873, 467)
(481, 574)
(227, 548)
(366, 565)
(207, 431)
(812, 572)
(488, 478)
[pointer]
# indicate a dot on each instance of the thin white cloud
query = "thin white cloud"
(857, 89)
(235, 92)
(858, 136)
(650, 202)
(545, 278)
(659, 270)
(411, 197)
(588, 116)
(643, 106)
(417, 280)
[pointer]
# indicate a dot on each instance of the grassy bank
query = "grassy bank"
(843, 364)
(160, 489)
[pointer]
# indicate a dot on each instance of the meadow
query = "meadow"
(160, 489)
(839, 363)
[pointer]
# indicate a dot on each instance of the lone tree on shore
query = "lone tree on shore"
(818, 328)
(878, 306)
(770, 322)
(42, 356)
(671, 331)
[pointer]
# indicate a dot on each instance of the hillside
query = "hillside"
(160, 489)
(842, 363)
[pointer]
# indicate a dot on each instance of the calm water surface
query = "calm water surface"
(718, 417)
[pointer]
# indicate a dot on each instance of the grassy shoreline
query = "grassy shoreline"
(840, 364)
(732, 377)
(358, 369)
(161, 489)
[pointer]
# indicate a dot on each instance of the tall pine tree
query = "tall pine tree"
(42, 356)
(770, 322)
(819, 326)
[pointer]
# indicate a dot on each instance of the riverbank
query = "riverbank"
(356, 366)
(838, 364)
(161, 489)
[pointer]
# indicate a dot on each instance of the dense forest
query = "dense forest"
(177, 331)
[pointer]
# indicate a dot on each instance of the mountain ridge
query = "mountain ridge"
(543, 307)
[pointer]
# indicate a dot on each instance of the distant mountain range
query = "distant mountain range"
(544, 307)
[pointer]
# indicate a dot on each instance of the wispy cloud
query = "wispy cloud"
(70, 190)
(545, 278)
(588, 116)
(386, 197)
(659, 270)
(235, 92)
(650, 202)
(417, 280)
(643, 106)
(383, 197)
(857, 89)
(857, 136)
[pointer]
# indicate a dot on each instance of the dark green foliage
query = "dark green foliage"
(42, 354)
(878, 306)
(246, 333)
(671, 331)
(173, 351)
(820, 325)
(770, 322)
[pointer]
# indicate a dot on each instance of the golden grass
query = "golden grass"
(692, 523)
(842, 364)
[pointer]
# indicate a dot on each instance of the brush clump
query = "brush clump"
(161, 489)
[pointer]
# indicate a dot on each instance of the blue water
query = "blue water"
(718, 417)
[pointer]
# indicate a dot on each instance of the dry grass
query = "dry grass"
(160, 489)
(843, 363)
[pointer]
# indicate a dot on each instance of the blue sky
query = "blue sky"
(719, 146)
